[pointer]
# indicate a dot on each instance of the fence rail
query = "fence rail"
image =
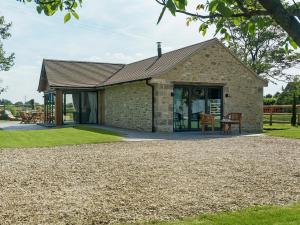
(280, 114)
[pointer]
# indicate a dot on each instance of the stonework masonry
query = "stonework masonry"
(213, 65)
(129, 106)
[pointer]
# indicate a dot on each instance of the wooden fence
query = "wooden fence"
(280, 114)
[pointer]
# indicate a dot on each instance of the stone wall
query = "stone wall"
(163, 106)
(129, 106)
(213, 65)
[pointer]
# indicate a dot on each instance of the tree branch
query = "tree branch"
(283, 17)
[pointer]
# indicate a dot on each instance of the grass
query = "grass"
(282, 130)
(55, 137)
(260, 215)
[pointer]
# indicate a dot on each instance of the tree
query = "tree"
(268, 96)
(6, 62)
(250, 15)
(269, 99)
(294, 111)
(19, 103)
(263, 51)
(276, 95)
(286, 97)
(5, 102)
(2, 89)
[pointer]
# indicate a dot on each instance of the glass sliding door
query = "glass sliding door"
(181, 108)
(191, 101)
(89, 107)
(80, 107)
(49, 108)
(197, 105)
(214, 104)
(71, 108)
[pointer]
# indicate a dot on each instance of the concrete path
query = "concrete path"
(131, 135)
(16, 125)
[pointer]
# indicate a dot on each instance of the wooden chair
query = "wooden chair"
(24, 117)
(232, 118)
(207, 119)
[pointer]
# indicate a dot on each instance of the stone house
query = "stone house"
(164, 93)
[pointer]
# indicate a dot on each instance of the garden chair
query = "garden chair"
(24, 117)
(230, 119)
(207, 119)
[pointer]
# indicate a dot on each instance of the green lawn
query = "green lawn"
(282, 130)
(263, 215)
(55, 137)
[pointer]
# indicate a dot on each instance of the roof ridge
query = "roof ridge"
(99, 84)
(178, 49)
(124, 64)
(80, 61)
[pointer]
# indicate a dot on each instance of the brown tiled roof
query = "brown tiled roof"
(151, 67)
(61, 73)
(57, 73)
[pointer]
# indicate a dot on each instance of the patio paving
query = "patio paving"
(131, 135)
(17, 125)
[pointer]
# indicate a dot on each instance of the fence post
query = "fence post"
(271, 112)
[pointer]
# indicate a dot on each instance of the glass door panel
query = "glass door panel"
(89, 107)
(71, 108)
(214, 104)
(181, 108)
(191, 101)
(197, 106)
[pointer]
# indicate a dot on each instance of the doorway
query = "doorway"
(190, 101)
(80, 107)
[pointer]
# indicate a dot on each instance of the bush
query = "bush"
(11, 108)
(269, 101)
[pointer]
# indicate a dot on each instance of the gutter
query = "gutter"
(152, 89)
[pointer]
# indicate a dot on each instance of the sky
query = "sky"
(118, 31)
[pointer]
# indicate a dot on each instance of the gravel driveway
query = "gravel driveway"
(139, 181)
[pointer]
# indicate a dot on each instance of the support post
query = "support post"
(58, 108)
(101, 107)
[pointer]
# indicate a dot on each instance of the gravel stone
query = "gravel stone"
(129, 182)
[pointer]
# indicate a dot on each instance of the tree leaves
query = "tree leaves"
(6, 61)
(76, 16)
(67, 17)
(293, 43)
(51, 7)
(267, 50)
(248, 14)
(251, 27)
(171, 6)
